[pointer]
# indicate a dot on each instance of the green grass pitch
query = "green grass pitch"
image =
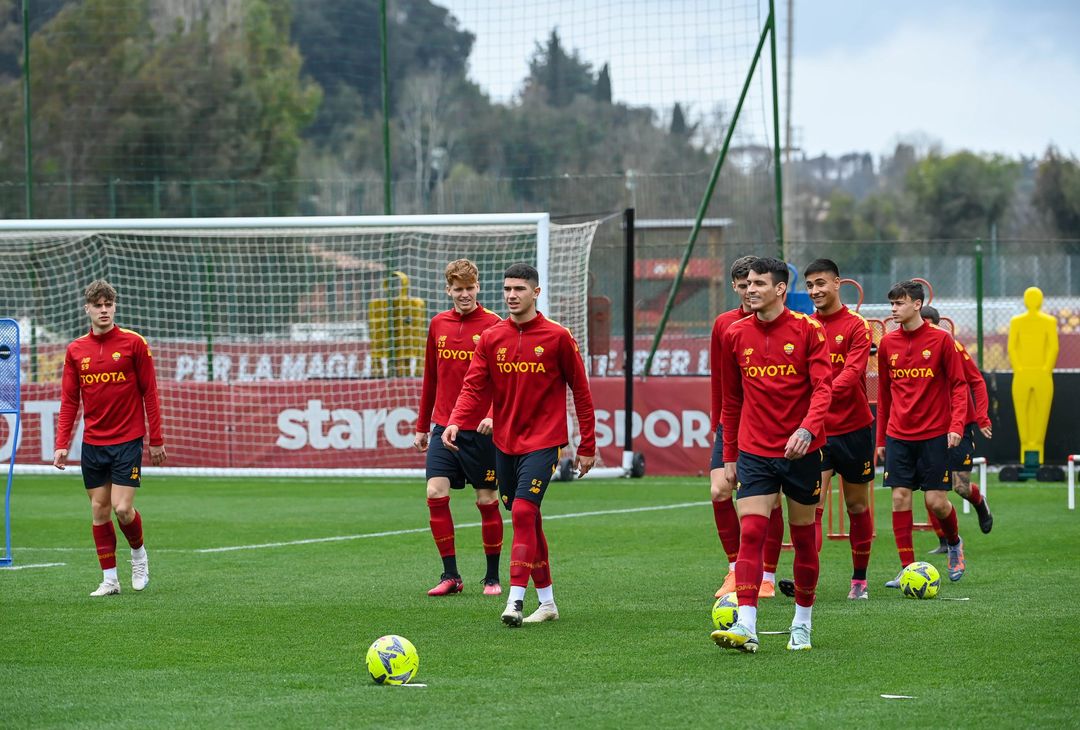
(275, 636)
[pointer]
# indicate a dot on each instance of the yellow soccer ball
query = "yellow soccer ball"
(725, 612)
(920, 580)
(392, 660)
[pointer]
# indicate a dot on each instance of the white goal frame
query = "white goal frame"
(541, 222)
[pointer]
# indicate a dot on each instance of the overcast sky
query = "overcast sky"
(986, 75)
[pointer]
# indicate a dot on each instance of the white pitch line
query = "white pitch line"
(36, 565)
(391, 533)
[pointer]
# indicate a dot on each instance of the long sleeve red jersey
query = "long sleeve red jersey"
(716, 372)
(113, 375)
(777, 378)
(451, 340)
(528, 368)
(848, 337)
(978, 402)
(921, 389)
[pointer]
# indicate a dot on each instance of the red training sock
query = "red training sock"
(861, 535)
(541, 572)
(817, 527)
(491, 528)
(133, 531)
(748, 566)
(727, 527)
(975, 497)
(105, 541)
(442, 525)
(806, 566)
(523, 516)
(901, 525)
(936, 524)
(949, 526)
(774, 539)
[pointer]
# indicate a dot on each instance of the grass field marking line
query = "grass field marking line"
(413, 531)
(897, 697)
(35, 565)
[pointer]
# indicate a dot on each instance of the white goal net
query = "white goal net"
(279, 343)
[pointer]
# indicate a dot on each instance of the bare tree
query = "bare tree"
(429, 128)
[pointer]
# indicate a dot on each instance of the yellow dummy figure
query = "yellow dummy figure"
(1033, 351)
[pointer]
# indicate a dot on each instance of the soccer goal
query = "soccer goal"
(282, 345)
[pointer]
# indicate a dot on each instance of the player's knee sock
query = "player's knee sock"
(902, 524)
(523, 549)
(491, 532)
(133, 531)
(861, 533)
(774, 540)
(442, 529)
(951, 528)
(936, 524)
(748, 565)
(727, 527)
(817, 527)
(975, 497)
(805, 565)
(541, 572)
(105, 542)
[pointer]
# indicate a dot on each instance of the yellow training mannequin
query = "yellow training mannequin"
(1033, 351)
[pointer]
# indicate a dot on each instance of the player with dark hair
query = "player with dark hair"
(849, 449)
(724, 514)
(110, 370)
(961, 458)
(777, 387)
(922, 401)
(526, 362)
(452, 337)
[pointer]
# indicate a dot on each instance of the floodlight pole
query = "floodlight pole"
(770, 25)
(384, 41)
(28, 156)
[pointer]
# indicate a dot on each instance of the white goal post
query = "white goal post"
(283, 346)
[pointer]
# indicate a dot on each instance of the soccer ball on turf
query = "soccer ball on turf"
(392, 660)
(920, 580)
(725, 612)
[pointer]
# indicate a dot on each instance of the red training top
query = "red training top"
(978, 402)
(716, 373)
(113, 375)
(777, 378)
(452, 337)
(527, 368)
(921, 389)
(848, 337)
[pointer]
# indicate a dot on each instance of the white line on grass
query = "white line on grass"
(390, 533)
(36, 565)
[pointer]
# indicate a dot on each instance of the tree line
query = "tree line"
(136, 101)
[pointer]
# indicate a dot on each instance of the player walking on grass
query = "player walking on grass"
(961, 458)
(111, 372)
(777, 387)
(724, 514)
(922, 401)
(526, 362)
(849, 448)
(452, 338)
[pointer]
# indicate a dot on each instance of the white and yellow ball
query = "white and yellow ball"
(392, 660)
(725, 612)
(920, 580)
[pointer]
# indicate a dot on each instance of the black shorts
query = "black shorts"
(474, 462)
(959, 458)
(717, 461)
(851, 455)
(525, 476)
(113, 464)
(918, 464)
(800, 479)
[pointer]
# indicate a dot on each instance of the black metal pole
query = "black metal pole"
(628, 336)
